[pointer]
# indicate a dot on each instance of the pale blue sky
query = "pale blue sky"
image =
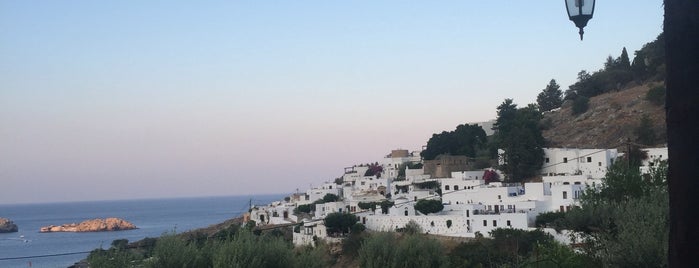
(139, 99)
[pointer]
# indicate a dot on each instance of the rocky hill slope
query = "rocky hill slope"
(610, 119)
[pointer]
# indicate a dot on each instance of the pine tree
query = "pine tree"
(551, 97)
(517, 132)
(624, 63)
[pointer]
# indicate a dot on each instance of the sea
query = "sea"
(153, 217)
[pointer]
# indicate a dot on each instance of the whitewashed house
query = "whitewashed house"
(570, 161)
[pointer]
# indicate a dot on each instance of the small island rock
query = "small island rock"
(7, 226)
(94, 225)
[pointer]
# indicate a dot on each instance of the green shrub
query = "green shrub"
(249, 250)
(384, 250)
(419, 251)
(377, 251)
(412, 228)
(580, 105)
(312, 257)
(340, 222)
(656, 95)
(112, 258)
(173, 251)
(547, 218)
(429, 206)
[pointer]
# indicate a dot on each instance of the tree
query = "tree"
(330, 198)
(465, 140)
(580, 105)
(518, 133)
(412, 228)
(340, 222)
(623, 61)
(614, 220)
(656, 95)
(644, 131)
(429, 206)
(551, 97)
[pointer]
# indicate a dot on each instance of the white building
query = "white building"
(567, 161)
(654, 156)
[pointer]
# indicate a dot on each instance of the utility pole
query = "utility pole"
(681, 29)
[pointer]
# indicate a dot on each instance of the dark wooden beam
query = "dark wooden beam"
(682, 110)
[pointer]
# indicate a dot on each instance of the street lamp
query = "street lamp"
(580, 11)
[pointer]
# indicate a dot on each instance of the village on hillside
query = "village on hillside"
(403, 188)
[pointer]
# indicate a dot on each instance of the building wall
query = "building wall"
(444, 165)
(565, 161)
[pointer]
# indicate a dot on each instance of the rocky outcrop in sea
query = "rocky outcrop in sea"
(94, 225)
(7, 226)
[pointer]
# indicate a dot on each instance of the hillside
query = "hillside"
(609, 121)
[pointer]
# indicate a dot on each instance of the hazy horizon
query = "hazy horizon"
(132, 100)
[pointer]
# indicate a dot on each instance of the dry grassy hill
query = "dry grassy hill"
(609, 121)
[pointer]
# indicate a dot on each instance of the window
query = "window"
(565, 195)
(446, 187)
(599, 164)
(363, 183)
(565, 159)
(546, 160)
(499, 197)
(485, 223)
(589, 159)
(456, 187)
(508, 223)
(495, 223)
(467, 213)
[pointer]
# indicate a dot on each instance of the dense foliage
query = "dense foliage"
(648, 64)
(516, 248)
(518, 133)
(625, 222)
(645, 134)
(429, 206)
(551, 97)
(656, 95)
(385, 204)
(465, 140)
(340, 223)
(330, 198)
(389, 250)
(241, 248)
(580, 105)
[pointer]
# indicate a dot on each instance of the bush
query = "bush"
(412, 228)
(307, 208)
(173, 251)
(249, 250)
(645, 134)
(330, 198)
(547, 218)
(419, 251)
(312, 257)
(358, 228)
(377, 251)
(384, 250)
(429, 206)
(580, 105)
(340, 222)
(656, 95)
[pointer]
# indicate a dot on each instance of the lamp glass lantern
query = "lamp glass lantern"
(580, 11)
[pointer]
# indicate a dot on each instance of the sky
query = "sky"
(103, 100)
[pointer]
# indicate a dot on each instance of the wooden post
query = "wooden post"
(682, 110)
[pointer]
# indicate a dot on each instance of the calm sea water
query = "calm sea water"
(152, 217)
